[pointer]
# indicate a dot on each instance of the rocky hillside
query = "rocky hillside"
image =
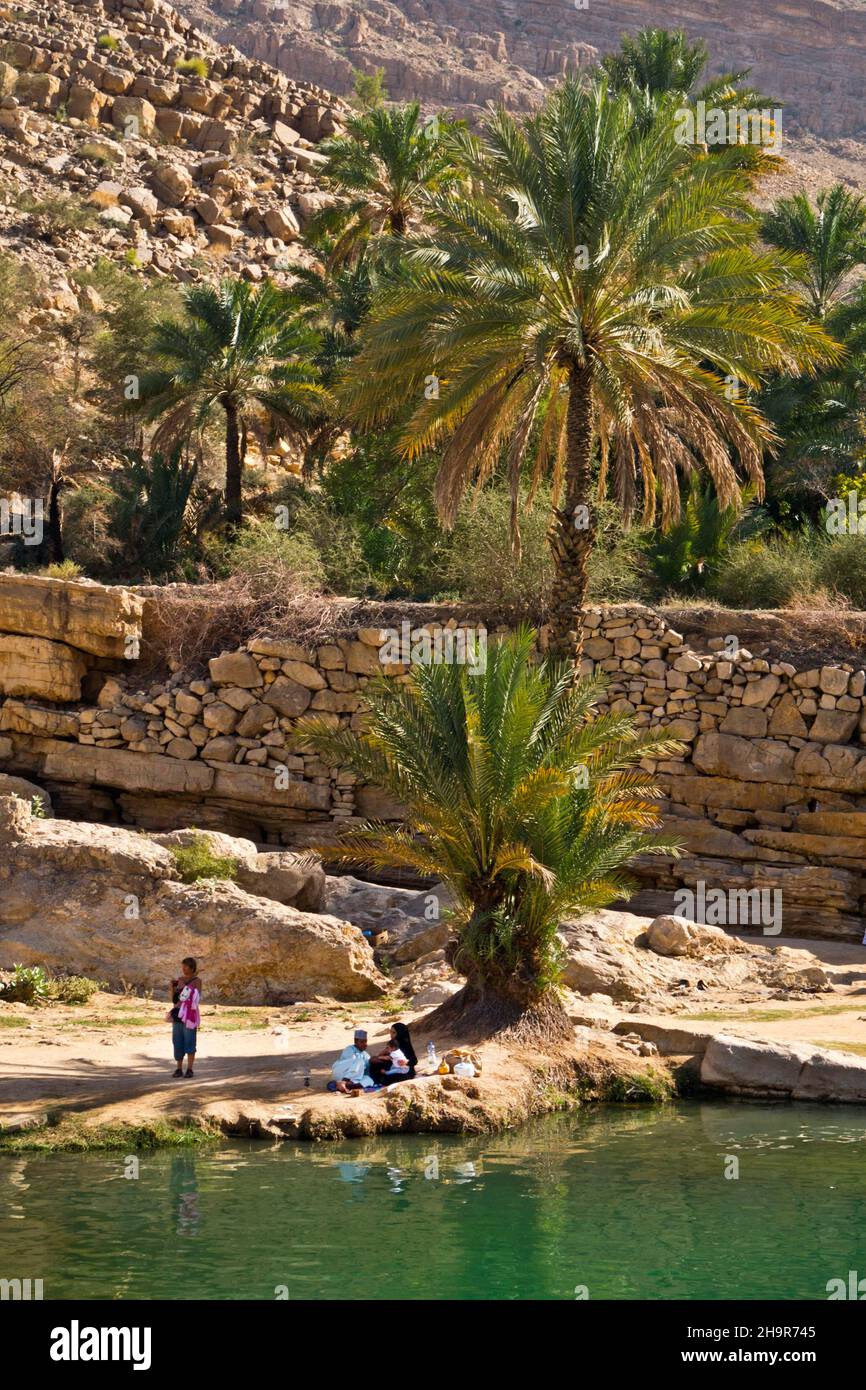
(809, 54)
(127, 133)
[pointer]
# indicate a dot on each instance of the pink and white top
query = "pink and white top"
(188, 1008)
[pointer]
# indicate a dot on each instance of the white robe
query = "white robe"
(351, 1065)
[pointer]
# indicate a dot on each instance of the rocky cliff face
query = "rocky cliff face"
(127, 133)
(810, 54)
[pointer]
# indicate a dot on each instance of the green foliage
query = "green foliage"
(685, 557)
(192, 67)
(369, 89)
(238, 351)
(29, 984)
(272, 559)
(37, 807)
(765, 574)
(387, 166)
(840, 568)
(480, 567)
(829, 239)
(72, 1135)
(55, 214)
(74, 989)
(552, 278)
(198, 860)
(108, 43)
(523, 800)
(149, 507)
(65, 569)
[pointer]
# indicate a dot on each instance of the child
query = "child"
(185, 1016)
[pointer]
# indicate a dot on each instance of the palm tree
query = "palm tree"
(830, 237)
(821, 421)
(523, 800)
(607, 289)
(659, 67)
(387, 164)
(239, 351)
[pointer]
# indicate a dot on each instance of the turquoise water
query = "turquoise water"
(630, 1203)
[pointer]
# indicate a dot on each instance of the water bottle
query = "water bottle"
(431, 1056)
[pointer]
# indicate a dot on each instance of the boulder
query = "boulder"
(795, 1071)
(109, 908)
(677, 936)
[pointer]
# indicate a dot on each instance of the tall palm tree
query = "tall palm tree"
(607, 288)
(519, 797)
(386, 165)
(830, 237)
(238, 351)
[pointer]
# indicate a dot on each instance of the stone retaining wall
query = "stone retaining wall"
(770, 794)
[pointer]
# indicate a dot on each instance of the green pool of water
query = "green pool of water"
(628, 1203)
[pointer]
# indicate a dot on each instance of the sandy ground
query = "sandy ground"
(111, 1059)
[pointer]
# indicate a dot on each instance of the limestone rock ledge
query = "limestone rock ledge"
(94, 900)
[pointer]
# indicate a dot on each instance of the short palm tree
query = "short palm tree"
(239, 351)
(830, 237)
(657, 66)
(386, 165)
(519, 797)
(602, 292)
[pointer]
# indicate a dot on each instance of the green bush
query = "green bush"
(841, 568)
(29, 984)
(481, 568)
(198, 860)
(108, 43)
(271, 558)
(73, 989)
(765, 574)
(192, 67)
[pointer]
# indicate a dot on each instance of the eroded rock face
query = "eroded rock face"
(104, 902)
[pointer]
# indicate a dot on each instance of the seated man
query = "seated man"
(351, 1071)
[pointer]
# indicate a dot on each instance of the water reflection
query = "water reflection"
(691, 1201)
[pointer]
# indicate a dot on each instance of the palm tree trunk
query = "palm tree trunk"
(234, 464)
(573, 532)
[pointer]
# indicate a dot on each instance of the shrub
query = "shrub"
(31, 984)
(73, 989)
(765, 574)
(64, 569)
(108, 43)
(99, 153)
(271, 558)
(192, 67)
(841, 568)
(198, 860)
(28, 984)
(481, 568)
(37, 807)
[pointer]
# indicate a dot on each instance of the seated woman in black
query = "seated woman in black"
(398, 1061)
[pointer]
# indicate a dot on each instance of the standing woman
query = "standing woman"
(185, 1015)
